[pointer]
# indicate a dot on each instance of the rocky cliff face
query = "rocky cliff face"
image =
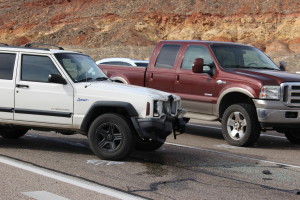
(271, 25)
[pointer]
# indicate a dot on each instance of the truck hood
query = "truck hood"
(112, 88)
(271, 77)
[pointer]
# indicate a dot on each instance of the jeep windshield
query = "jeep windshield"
(238, 56)
(81, 68)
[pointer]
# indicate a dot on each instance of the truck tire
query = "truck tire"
(12, 132)
(143, 144)
(293, 136)
(240, 126)
(110, 137)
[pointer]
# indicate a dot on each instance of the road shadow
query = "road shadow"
(203, 130)
(47, 143)
(279, 143)
(267, 140)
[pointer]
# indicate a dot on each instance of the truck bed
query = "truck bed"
(125, 74)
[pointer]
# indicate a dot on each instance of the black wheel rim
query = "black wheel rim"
(109, 137)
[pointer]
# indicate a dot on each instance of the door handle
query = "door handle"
(177, 78)
(22, 86)
(151, 76)
(221, 82)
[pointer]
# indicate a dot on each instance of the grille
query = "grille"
(170, 107)
(291, 94)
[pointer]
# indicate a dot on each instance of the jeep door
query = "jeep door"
(197, 90)
(38, 100)
(7, 85)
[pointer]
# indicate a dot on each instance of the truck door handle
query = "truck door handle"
(151, 76)
(221, 82)
(22, 86)
(177, 78)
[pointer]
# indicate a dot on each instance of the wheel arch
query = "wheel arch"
(98, 108)
(119, 79)
(233, 96)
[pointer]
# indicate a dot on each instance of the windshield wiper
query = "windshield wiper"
(248, 67)
(85, 80)
(93, 79)
(268, 68)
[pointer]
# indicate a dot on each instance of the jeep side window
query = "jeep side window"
(7, 62)
(37, 68)
(167, 56)
(193, 52)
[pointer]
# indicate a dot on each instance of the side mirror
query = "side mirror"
(56, 78)
(282, 65)
(198, 65)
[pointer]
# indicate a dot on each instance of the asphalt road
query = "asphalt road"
(198, 165)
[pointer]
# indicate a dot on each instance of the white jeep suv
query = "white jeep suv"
(65, 91)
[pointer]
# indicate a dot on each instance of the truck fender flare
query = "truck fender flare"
(119, 79)
(93, 111)
(231, 90)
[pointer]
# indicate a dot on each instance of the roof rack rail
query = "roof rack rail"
(3, 44)
(29, 45)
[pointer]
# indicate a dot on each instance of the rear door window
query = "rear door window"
(167, 56)
(7, 63)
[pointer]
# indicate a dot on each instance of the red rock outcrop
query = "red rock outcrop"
(95, 23)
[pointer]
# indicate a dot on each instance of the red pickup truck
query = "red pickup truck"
(234, 83)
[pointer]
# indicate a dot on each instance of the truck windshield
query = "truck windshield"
(80, 67)
(238, 56)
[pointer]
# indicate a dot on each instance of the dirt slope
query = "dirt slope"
(271, 25)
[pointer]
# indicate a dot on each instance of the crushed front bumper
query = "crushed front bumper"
(160, 128)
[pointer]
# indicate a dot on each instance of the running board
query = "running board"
(199, 116)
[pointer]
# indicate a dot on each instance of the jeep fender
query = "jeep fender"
(102, 107)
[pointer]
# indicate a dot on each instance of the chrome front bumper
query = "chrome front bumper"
(275, 112)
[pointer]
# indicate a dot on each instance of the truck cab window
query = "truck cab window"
(167, 56)
(37, 68)
(7, 62)
(193, 52)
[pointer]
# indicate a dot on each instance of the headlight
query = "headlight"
(157, 109)
(269, 92)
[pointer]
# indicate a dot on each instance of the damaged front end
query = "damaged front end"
(167, 118)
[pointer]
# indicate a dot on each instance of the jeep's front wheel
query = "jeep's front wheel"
(12, 132)
(240, 126)
(145, 144)
(110, 137)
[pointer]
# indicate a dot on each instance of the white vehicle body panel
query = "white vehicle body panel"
(7, 88)
(32, 103)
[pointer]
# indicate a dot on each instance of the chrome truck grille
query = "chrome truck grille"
(290, 94)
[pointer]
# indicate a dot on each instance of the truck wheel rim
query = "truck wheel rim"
(236, 125)
(109, 137)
